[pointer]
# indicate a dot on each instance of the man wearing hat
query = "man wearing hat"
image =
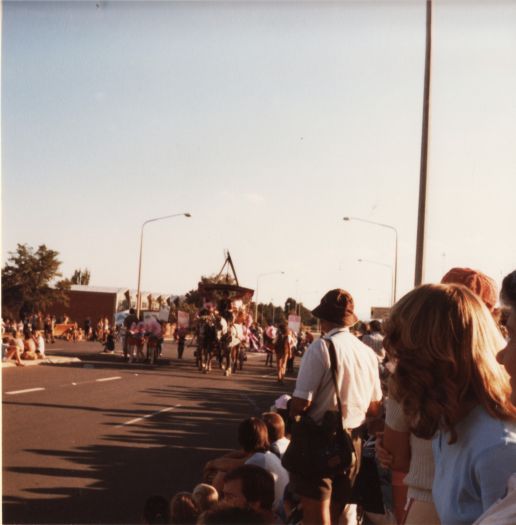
(358, 382)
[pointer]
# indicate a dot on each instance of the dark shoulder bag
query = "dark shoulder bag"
(324, 450)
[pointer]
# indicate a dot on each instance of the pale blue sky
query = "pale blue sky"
(269, 122)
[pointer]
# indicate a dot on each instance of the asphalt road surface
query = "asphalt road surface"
(89, 442)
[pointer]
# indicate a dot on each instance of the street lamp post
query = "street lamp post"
(386, 266)
(257, 285)
(395, 279)
(138, 293)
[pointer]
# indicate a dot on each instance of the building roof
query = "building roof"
(111, 289)
(97, 289)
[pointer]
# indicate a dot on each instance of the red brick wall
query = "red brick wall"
(87, 304)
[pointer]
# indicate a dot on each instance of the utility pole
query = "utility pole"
(420, 243)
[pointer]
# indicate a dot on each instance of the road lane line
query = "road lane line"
(132, 421)
(108, 378)
(24, 391)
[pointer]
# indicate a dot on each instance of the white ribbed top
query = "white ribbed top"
(421, 470)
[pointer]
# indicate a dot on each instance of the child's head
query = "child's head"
(205, 496)
(183, 509)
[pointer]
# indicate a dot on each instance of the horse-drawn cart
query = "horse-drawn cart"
(223, 320)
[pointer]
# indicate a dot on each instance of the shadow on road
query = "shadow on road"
(159, 455)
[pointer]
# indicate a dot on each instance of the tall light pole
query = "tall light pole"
(138, 294)
(260, 275)
(423, 168)
(395, 279)
(386, 266)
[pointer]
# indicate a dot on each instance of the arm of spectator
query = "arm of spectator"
(382, 455)
(298, 406)
(375, 409)
(397, 444)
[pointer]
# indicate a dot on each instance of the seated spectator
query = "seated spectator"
(254, 441)
(183, 510)
(276, 431)
(156, 511)
(250, 486)
(252, 437)
(281, 406)
(109, 345)
(40, 344)
(205, 496)
(29, 348)
(228, 515)
(12, 351)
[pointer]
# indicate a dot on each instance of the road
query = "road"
(88, 442)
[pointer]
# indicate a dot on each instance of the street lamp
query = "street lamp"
(138, 294)
(257, 285)
(395, 279)
(387, 266)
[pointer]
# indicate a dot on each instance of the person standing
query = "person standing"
(282, 350)
(374, 339)
(128, 322)
(325, 500)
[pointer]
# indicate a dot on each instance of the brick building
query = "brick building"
(95, 302)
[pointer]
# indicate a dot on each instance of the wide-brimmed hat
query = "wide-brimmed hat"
(337, 306)
(476, 281)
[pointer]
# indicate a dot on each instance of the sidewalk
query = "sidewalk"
(49, 360)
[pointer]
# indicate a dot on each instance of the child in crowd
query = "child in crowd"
(205, 496)
(109, 345)
(40, 344)
(183, 510)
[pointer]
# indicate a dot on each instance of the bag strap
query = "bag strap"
(334, 368)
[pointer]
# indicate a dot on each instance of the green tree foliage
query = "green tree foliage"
(30, 281)
(81, 276)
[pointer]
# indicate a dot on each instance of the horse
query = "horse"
(207, 342)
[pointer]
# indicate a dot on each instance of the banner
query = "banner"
(164, 314)
(294, 323)
(183, 319)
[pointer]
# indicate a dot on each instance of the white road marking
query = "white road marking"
(24, 391)
(108, 378)
(130, 422)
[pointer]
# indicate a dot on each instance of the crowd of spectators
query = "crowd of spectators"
(443, 428)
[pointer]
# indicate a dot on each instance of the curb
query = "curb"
(50, 360)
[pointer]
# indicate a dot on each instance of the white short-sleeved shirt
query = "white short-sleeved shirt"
(358, 378)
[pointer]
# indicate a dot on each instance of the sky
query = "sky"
(268, 122)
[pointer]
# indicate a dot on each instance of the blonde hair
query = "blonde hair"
(205, 496)
(445, 342)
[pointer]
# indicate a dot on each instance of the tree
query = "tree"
(29, 281)
(81, 276)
